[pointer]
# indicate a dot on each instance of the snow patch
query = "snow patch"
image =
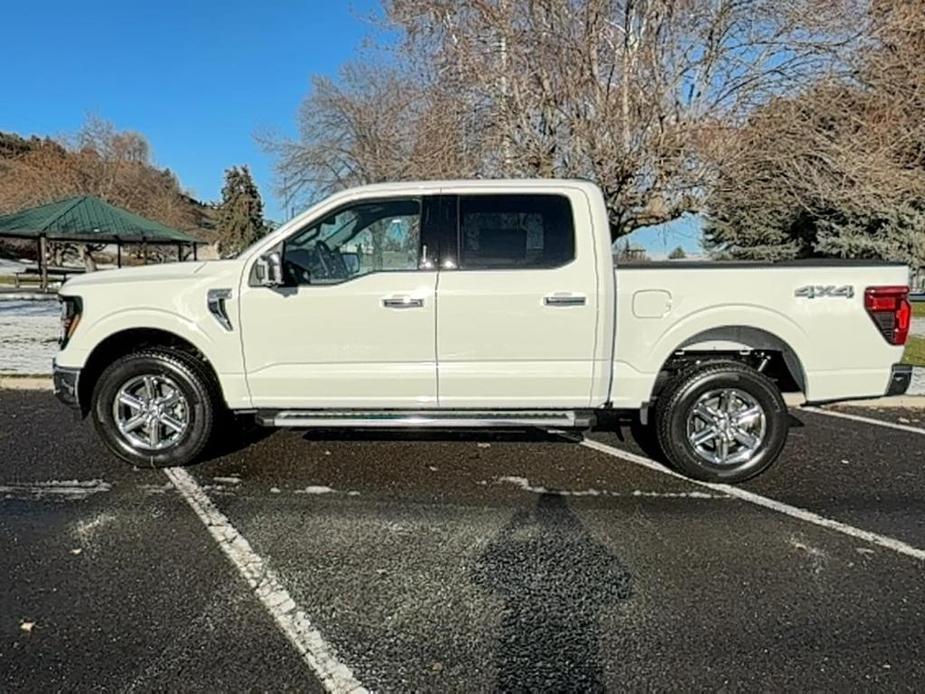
(11, 267)
(72, 490)
(524, 484)
(817, 557)
(315, 489)
(150, 489)
(85, 530)
(28, 336)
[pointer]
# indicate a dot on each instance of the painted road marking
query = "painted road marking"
(765, 502)
(866, 420)
(291, 619)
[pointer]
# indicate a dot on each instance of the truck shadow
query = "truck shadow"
(555, 580)
(233, 435)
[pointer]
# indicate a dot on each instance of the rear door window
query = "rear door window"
(504, 232)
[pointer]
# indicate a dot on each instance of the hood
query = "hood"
(163, 272)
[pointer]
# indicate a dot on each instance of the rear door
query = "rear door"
(517, 301)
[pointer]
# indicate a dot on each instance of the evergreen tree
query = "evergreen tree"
(240, 215)
(677, 254)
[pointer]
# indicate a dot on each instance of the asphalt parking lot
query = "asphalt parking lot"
(459, 562)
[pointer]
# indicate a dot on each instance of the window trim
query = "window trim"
(420, 199)
(460, 265)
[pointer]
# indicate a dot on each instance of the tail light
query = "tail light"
(891, 312)
(71, 308)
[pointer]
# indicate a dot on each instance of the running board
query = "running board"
(432, 419)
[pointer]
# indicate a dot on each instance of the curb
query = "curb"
(26, 383)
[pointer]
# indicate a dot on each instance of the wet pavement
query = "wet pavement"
(459, 562)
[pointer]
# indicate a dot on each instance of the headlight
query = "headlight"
(71, 308)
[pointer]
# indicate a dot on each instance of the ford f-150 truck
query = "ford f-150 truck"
(474, 304)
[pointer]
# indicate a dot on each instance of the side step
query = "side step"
(431, 419)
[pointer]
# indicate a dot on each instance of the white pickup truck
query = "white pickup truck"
(474, 304)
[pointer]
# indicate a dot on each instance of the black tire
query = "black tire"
(201, 408)
(676, 403)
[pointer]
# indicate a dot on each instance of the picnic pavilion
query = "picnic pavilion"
(88, 220)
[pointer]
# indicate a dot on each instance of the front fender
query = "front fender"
(91, 333)
(221, 348)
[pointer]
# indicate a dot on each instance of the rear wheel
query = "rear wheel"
(155, 408)
(721, 422)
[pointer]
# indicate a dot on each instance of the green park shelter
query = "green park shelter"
(87, 219)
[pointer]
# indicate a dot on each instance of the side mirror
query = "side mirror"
(269, 270)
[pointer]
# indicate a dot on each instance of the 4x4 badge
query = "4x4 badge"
(815, 291)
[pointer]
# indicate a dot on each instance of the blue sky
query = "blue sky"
(197, 77)
(661, 239)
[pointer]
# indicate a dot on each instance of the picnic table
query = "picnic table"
(32, 273)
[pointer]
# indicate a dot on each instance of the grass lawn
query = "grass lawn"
(915, 351)
(918, 309)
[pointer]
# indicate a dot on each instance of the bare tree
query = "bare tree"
(374, 124)
(840, 168)
(637, 95)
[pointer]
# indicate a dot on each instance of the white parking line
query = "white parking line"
(866, 420)
(772, 504)
(315, 651)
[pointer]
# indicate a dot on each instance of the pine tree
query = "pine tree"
(677, 254)
(240, 215)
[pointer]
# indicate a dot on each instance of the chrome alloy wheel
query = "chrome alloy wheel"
(726, 426)
(151, 412)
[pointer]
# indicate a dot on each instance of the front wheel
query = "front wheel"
(721, 422)
(155, 408)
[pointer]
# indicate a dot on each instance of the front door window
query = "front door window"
(372, 236)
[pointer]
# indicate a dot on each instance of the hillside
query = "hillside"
(113, 165)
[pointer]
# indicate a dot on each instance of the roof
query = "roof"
(450, 187)
(89, 219)
(478, 184)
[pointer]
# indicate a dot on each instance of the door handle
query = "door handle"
(403, 301)
(564, 300)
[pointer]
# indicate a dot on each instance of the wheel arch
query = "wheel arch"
(761, 348)
(123, 342)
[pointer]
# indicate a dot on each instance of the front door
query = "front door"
(517, 310)
(353, 326)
